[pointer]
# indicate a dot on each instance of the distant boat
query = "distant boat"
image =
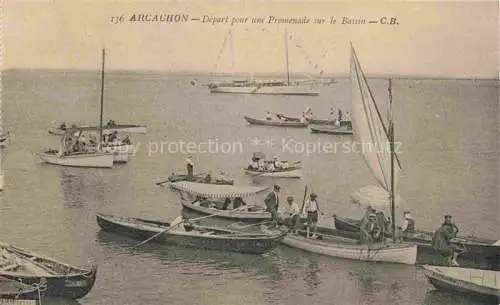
(266, 87)
(314, 121)
(196, 237)
(483, 284)
(291, 172)
(274, 123)
(329, 129)
(131, 128)
(60, 279)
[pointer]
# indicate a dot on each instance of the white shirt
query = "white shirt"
(405, 224)
(189, 161)
(303, 120)
(269, 115)
(270, 166)
(285, 165)
(294, 209)
(311, 206)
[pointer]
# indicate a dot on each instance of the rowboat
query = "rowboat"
(314, 121)
(130, 128)
(348, 249)
(476, 250)
(199, 237)
(253, 121)
(190, 192)
(98, 160)
(329, 129)
(11, 289)
(483, 284)
(59, 279)
(291, 172)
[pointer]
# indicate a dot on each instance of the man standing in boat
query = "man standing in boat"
(441, 241)
(272, 203)
(189, 167)
(371, 231)
(311, 207)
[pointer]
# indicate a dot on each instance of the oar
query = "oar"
(171, 227)
(304, 200)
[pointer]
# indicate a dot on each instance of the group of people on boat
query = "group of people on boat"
(79, 142)
(261, 164)
(291, 213)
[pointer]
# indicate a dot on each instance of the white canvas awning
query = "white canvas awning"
(216, 190)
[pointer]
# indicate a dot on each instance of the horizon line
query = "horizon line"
(312, 76)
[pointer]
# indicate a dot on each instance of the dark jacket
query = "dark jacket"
(272, 201)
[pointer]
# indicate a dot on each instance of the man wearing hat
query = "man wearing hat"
(371, 231)
(408, 224)
(441, 241)
(311, 207)
(272, 202)
(189, 166)
(292, 214)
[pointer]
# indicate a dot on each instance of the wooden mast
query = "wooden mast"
(391, 144)
(102, 98)
(286, 56)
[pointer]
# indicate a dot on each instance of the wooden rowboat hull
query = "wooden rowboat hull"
(331, 130)
(480, 284)
(274, 123)
(478, 252)
(66, 281)
(197, 178)
(98, 160)
(12, 289)
(224, 240)
(292, 174)
(396, 253)
(244, 216)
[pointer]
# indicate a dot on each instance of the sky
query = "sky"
(444, 39)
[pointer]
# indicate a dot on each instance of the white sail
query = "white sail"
(369, 128)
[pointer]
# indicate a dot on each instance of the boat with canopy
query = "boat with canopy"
(209, 199)
(369, 127)
(60, 279)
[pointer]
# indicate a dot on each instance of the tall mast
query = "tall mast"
(232, 51)
(286, 55)
(102, 98)
(391, 144)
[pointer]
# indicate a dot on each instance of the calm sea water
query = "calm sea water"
(449, 135)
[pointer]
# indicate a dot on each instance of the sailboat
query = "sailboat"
(93, 157)
(368, 128)
(266, 87)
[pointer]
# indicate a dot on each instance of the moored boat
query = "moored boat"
(60, 279)
(343, 248)
(291, 172)
(483, 284)
(329, 129)
(274, 123)
(476, 251)
(197, 236)
(200, 178)
(192, 192)
(98, 160)
(266, 88)
(314, 121)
